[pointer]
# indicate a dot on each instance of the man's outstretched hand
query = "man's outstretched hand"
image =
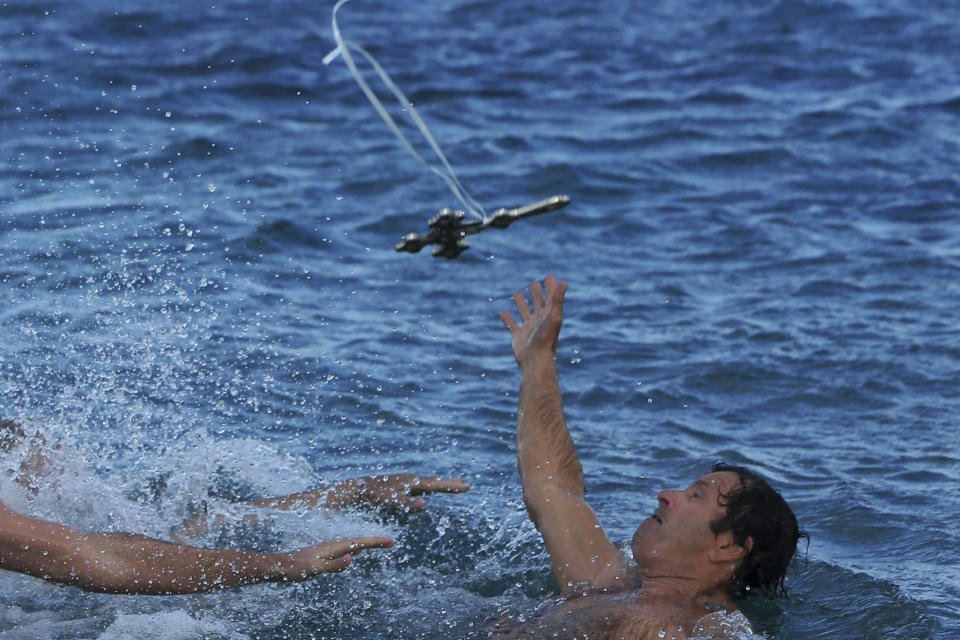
(398, 490)
(332, 556)
(539, 329)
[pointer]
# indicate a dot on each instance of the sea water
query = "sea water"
(200, 301)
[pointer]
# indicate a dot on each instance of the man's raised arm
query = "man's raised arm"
(550, 470)
(129, 563)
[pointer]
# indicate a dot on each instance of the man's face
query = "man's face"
(677, 534)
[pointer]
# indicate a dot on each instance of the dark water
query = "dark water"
(199, 297)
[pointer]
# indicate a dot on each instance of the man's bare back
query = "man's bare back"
(622, 615)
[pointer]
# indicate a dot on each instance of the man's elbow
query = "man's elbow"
(546, 499)
(542, 485)
(96, 567)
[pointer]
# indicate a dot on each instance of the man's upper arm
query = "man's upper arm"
(580, 551)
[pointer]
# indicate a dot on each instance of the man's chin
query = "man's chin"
(643, 541)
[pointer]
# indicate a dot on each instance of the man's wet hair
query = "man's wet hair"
(757, 511)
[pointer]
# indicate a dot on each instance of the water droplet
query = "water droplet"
(167, 114)
(211, 187)
(661, 633)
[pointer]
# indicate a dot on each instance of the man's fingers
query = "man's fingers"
(551, 291)
(412, 504)
(369, 542)
(508, 321)
(428, 484)
(536, 294)
(560, 291)
(522, 307)
(340, 548)
(336, 565)
(336, 555)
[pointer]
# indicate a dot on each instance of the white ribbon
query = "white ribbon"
(343, 49)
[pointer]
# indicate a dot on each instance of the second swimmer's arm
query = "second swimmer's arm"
(135, 564)
(400, 490)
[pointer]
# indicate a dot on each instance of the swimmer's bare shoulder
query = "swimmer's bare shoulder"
(719, 625)
(723, 625)
(658, 620)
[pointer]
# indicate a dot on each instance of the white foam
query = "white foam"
(167, 625)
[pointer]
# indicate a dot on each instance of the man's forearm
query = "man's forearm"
(325, 496)
(129, 563)
(338, 495)
(545, 451)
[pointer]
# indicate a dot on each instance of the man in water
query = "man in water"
(726, 535)
(134, 564)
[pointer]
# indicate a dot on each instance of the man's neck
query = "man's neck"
(686, 590)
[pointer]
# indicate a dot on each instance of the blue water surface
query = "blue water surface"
(200, 300)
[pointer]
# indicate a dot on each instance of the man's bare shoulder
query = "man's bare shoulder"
(723, 625)
(641, 623)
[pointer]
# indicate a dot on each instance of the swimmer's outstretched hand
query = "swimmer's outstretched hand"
(539, 330)
(398, 490)
(327, 557)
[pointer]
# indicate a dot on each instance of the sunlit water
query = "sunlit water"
(201, 303)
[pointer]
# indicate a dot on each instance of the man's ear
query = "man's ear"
(726, 550)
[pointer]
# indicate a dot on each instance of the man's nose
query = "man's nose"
(665, 498)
